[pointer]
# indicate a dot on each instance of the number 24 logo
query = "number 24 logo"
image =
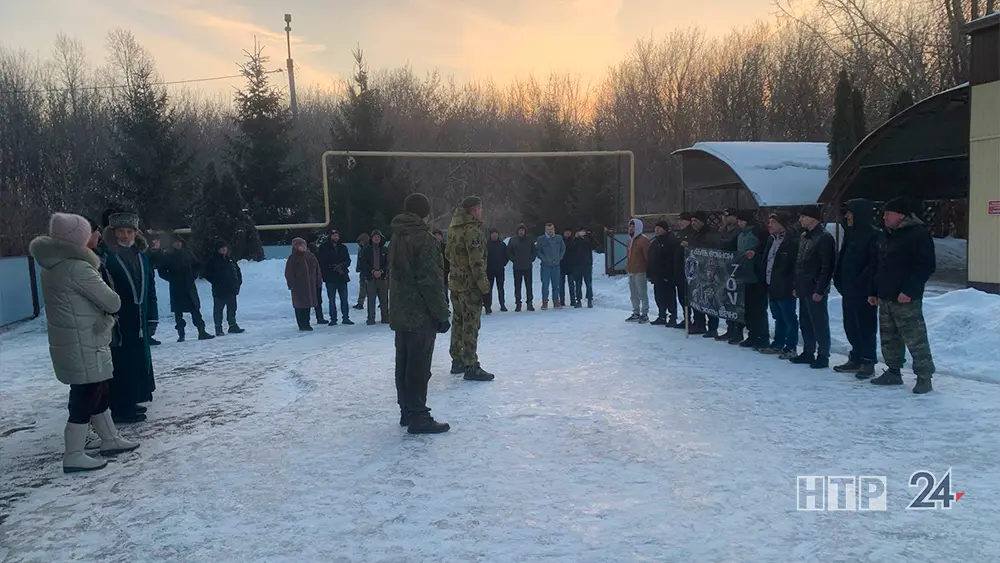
(935, 493)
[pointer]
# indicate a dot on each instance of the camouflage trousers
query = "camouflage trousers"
(901, 328)
(362, 292)
(467, 310)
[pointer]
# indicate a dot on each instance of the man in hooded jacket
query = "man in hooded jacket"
(853, 278)
(496, 266)
(636, 262)
(521, 252)
(662, 272)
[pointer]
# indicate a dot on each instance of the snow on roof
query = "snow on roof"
(777, 174)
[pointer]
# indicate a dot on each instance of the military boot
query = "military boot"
(866, 371)
(457, 367)
(425, 424)
(180, 335)
(477, 373)
(890, 376)
(923, 386)
(850, 366)
(203, 334)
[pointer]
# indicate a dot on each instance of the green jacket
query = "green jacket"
(467, 253)
(417, 282)
(746, 241)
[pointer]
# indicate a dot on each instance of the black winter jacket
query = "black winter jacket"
(224, 274)
(496, 257)
(783, 270)
(665, 255)
(180, 269)
(521, 252)
(726, 240)
(858, 259)
(569, 259)
(581, 250)
(366, 261)
(815, 262)
(334, 262)
(906, 261)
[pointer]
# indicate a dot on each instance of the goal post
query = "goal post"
(442, 155)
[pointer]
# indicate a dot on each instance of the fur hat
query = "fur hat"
(811, 211)
(471, 201)
(70, 228)
(663, 225)
(747, 215)
(418, 204)
(901, 205)
(124, 220)
(685, 216)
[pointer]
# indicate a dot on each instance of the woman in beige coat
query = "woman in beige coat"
(79, 309)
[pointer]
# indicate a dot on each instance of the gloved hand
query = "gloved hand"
(151, 328)
(444, 326)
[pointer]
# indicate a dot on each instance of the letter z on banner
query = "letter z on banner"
(712, 286)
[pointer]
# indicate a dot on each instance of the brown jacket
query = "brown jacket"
(304, 279)
(638, 251)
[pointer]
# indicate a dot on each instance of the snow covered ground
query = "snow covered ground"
(599, 441)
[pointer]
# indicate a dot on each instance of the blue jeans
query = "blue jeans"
(550, 276)
(338, 289)
(786, 324)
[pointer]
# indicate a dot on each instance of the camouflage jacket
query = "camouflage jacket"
(417, 282)
(467, 253)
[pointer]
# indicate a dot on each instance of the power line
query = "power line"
(113, 86)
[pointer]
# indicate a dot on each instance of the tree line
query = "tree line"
(75, 136)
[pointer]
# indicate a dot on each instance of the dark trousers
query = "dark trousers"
(496, 279)
(523, 276)
(755, 298)
(302, 317)
(414, 351)
(196, 320)
(378, 289)
(665, 295)
(336, 289)
(584, 275)
(786, 324)
(861, 327)
(696, 319)
(87, 400)
(814, 319)
(227, 302)
(363, 292)
(319, 303)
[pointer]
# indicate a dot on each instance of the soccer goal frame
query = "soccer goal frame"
(442, 155)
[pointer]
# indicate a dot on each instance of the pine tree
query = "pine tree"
(903, 101)
(365, 192)
(858, 114)
(552, 183)
(259, 154)
(222, 215)
(842, 137)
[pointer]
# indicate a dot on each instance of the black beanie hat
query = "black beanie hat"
(901, 205)
(418, 204)
(472, 201)
(663, 225)
(811, 211)
(685, 216)
(701, 216)
(781, 218)
(219, 244)
(746, 215)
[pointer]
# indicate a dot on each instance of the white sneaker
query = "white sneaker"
(111, 442)
(74, 459)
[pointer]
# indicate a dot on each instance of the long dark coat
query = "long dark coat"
(303, 277)
(133, 281)
(180, 269)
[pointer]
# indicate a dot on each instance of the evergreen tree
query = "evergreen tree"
(903, 101)
(259, 154)
(551, 184)
(366, 193)
(149, 164)
(842, 137)
(858, 114)
(222, 215)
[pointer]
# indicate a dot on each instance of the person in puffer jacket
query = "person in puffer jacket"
(79, 311)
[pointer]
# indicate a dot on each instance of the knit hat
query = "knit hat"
(747, 215)
(811, 211)
(124, 220)
(781, 218)
(70, 228)
(472, 201)
(663, 225)
(418, 204)
(901, 205)
(685, 216)
(701, 216)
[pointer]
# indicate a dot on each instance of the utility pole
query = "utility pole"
(291, 65)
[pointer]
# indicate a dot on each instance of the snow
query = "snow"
(599, 441)
(777, 174)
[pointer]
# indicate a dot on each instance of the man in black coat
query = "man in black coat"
(334, 263)
(853, 278)
(695, 233)
(661, 270)
(226, 278)
(496, 264)
(566, 267)
(583, 248)
(522, 254)
(180, 269)
(780, 254)
(813, 274)
(373, 263)
(906, 262)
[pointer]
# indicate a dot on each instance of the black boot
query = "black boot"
(404, 418)
(154, 342)
(333, 321)
(235, 329)
(347, 321)
(803, 359)
(425, 424)
(890, 376)
(578, 305)
(517, 308)
(923, 386)
(866, 371)
(659, 321)
(503, 308)
(531, 307)
(477, 373)
(180, 335)
(457, 367)
(820, 363)
(218, 331)
(850, 366)
(359, 307)
(590, 303)
(203, 335)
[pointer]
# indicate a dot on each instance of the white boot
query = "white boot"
(111, 442)
(75, 459)
(93, 440)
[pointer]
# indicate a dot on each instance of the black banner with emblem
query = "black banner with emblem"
(713, 288)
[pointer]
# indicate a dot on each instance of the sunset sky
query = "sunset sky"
(464, 38)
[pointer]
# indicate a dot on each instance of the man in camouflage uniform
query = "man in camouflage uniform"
(906, 261)
(418, 311)
(468, 283)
